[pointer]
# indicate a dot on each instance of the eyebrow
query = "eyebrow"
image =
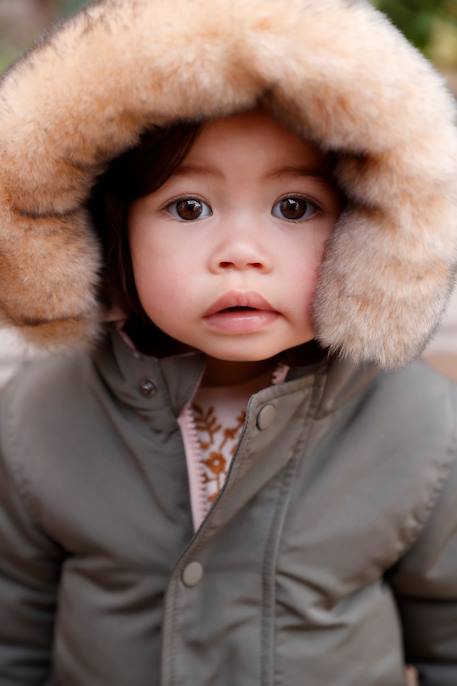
(301, 170)
(195, 169)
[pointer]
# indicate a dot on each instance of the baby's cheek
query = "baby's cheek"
(165, 293)
(304, 288)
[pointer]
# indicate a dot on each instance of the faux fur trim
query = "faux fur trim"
(335, 70)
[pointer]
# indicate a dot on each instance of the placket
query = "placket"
(278, 421)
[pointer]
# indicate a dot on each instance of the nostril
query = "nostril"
(240, 264)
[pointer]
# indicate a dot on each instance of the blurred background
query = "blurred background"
(431, 25)
(22, 21)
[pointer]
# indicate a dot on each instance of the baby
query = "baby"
(233, 226)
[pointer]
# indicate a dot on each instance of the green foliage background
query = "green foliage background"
(431, 25)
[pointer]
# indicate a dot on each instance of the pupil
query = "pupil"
(293, 208)
(189, 209)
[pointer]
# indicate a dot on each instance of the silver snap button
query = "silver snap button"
(265, 416)
(192, 574)
(147, 388)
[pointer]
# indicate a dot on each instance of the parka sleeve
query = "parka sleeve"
(29, 574)
(425, 586)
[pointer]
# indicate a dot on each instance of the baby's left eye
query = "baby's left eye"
(189, 209)
(294, 208)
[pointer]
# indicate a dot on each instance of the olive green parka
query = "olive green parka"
(330, 556)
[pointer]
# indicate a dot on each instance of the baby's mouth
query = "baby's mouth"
(238, 308)
(238, 313)
(239, 302)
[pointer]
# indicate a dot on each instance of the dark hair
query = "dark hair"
(135, 173)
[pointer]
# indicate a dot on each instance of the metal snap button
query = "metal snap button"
(265, 417)
(147, 388)
(192, 574)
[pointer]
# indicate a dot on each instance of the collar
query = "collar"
(155, 387)
(158, 388)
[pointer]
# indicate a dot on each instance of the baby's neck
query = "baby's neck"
(228, 373)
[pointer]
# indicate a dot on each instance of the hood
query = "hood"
(335, 70)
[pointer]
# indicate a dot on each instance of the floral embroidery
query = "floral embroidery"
(216, 463)
(215, 439)
(206, 422)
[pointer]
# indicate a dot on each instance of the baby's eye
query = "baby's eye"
(295, 208)
(189, 209)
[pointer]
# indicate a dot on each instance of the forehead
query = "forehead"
(253, 137)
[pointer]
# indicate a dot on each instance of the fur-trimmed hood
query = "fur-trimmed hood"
(334, 70)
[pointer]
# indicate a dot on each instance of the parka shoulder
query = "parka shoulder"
(46, 410)
(45, 390)
(420, 389)
(416, 412)
(387, 452)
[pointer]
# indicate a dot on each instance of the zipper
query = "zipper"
(194, 467)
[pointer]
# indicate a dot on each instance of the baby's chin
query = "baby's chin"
(252, 348)
(242, 353)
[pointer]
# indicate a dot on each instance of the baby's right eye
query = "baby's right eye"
(189, 209)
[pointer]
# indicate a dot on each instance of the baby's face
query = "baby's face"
(243, 219)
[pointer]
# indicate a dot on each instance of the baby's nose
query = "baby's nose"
(240, 256)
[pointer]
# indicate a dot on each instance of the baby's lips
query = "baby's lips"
(239, 299)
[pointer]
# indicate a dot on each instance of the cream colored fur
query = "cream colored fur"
(333, 70)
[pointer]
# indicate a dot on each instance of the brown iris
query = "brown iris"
(189, 208)
(293, 208)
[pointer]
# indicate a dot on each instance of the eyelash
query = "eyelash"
(295, 196)
(316, 208)
(180, 199)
